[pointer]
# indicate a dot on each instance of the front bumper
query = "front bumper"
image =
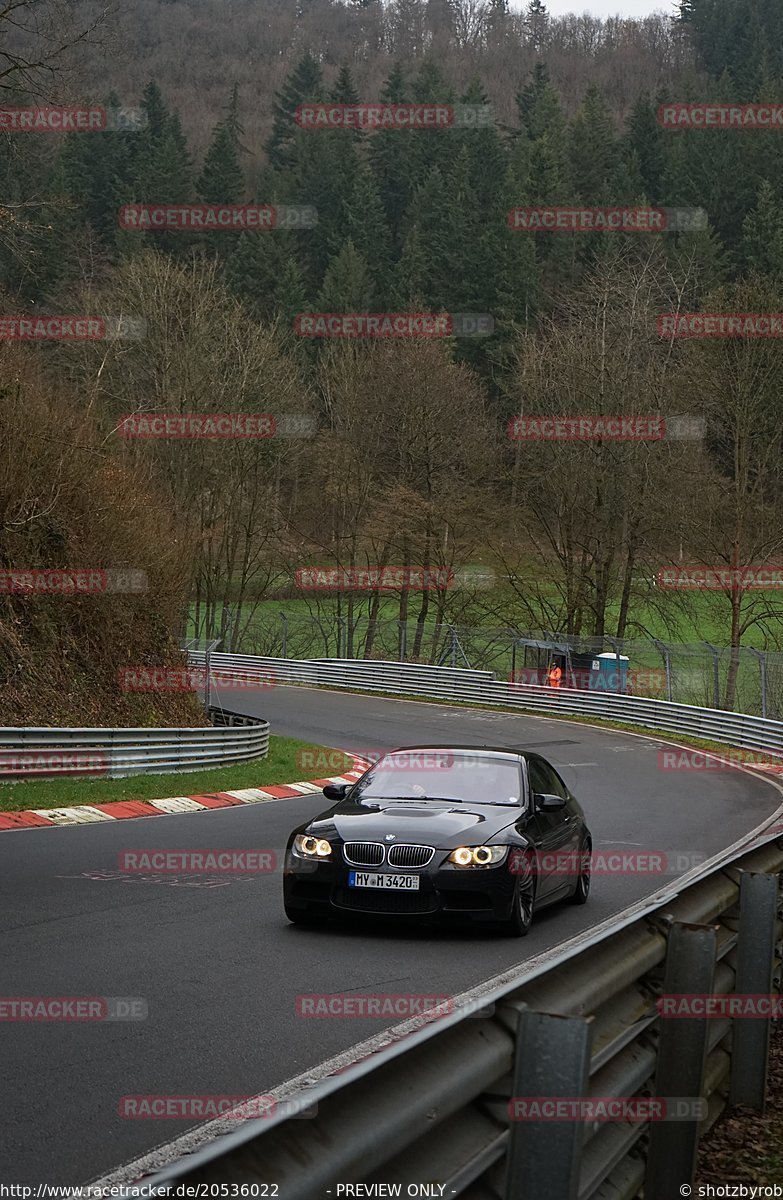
(478, 893)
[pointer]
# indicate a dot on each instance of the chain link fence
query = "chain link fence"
(743, 680)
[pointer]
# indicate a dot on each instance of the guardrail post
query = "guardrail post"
(682, 1053)
(715, 674)
(755, 954)
(761, 656)
(552, 1060)
(664, 650)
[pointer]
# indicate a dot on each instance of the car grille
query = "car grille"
(363, 854)
(385, 902)
(410, 856)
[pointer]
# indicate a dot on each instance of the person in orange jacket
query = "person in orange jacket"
(555, 675)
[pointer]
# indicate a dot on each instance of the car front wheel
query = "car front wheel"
(582, 889)
(518, 924)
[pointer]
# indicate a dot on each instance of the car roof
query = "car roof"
(489, 751)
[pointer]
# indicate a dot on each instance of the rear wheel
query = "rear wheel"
(518, 924)
(582, 889)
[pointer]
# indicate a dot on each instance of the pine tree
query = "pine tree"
(164, 175)
(486, 152)
(497, 22)
(367, 230)
(155, 112)
(426, 149)
(344, 90)
(429, 84)
(168, 176)
(290, 294)
(537, 24)
(99, 172)
(432, 213)
(325, 163)
(536, 100)
(593, 149)
(391, 160)
(222, 180)
(761, 247)
(348, 285)
(643, 138)
(302, 86)
(257, 267)
(540, 157)
(517, 283)
(410, 275)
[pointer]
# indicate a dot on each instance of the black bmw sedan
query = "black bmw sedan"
(485, 834)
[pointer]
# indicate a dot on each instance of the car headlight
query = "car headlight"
(307, 846)
(477, 856)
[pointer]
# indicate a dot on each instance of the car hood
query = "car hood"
(438, 824)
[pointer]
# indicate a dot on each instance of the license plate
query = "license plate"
(373, 879)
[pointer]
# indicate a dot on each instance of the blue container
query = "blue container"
(609, 674)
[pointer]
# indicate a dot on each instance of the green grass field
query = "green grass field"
(705, 618)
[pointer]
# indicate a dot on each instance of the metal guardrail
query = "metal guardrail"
(481, 687)
(40, 753)
(436, 1103)
(742, 679)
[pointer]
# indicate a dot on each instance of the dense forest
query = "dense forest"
(406, 457)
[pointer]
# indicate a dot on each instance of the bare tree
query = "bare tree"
(593, 509)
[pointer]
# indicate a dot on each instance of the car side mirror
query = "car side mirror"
(544, 803)
(336, 791)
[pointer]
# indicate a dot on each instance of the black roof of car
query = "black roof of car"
(516, 752)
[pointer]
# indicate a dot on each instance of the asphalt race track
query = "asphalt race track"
(220, 967)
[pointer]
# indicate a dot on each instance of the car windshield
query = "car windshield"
(441, 775)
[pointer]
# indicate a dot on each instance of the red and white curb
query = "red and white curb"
(122, 810)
